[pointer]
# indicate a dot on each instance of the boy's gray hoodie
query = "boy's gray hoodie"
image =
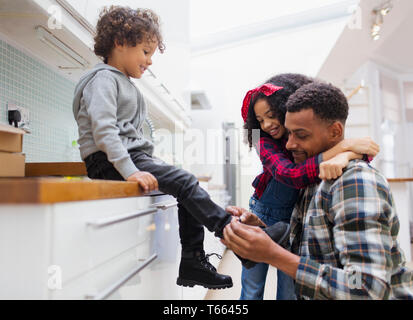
(110, 111)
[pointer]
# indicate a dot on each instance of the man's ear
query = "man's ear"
(336, 130)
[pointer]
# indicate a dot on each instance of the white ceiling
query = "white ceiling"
(354, 47)
(215, 16)
(242, 22)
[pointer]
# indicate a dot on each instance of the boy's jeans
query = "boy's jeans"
(195, 208)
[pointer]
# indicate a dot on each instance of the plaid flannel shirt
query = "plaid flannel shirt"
(278, 163)
(345, 232)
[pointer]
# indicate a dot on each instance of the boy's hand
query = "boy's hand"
(362, 146)
(245, 216)
(333, 168)
(235, 211)
(145, 180)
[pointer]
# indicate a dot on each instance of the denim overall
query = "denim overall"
(276, 204)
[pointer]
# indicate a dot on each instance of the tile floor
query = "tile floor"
(231, 265)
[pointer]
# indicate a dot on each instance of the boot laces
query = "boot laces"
(206, 262)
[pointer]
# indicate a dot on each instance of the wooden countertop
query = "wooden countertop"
(47, 190)
(53, 182)
(37, 169)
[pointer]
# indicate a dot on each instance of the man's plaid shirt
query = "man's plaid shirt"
(345, 234)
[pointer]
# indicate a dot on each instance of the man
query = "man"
(343, 231)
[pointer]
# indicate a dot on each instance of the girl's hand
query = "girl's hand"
(362, 146)
(333, 168)
(145, 180)
(245, 216)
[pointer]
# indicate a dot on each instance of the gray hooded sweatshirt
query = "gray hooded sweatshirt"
(110, 111)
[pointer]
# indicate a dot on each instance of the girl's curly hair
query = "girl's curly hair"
(123, 25)
(277, 101)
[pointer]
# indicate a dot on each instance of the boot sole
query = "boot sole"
(191, 283)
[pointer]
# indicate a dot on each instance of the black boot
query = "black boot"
(278, 232)
(195, 269)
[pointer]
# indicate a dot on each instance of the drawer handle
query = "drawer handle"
(164, 205)
(100, 223)
(112, 288)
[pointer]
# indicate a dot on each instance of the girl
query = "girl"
(276, 189)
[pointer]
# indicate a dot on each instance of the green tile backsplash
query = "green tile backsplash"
(48, 97)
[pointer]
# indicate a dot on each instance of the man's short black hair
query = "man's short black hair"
(327, 101)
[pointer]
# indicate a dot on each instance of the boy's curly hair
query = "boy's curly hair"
(277, 101)
(123, 25)
(327, 101)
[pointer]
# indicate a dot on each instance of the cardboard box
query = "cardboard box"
(12, 164)
(11, 138)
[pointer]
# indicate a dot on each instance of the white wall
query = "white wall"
(227, 74)
(211, 145)
(376, 110)
(384, 96)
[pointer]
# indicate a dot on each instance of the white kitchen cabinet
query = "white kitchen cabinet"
(92, 250)
(25, 246)
(101, 282)
(56, 251)
(78, 245)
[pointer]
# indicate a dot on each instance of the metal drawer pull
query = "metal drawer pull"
(164, 205)
(99, 223)
(112, 288)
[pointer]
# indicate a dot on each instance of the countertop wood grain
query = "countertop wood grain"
(53, 182)
(47, 190)
(37, 169)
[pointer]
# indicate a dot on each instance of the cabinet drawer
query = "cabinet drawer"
(86, 234)
(137, 274)
(104, 281)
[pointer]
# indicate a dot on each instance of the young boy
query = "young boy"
(110, 111)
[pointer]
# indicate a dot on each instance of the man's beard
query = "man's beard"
(299, 156)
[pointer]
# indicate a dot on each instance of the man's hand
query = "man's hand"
(361, 146)
(254, 244)
(245, 216)
(249, 242)
(145, 180)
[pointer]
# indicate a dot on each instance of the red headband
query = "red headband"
(267, 89)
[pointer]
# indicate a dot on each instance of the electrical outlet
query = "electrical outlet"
(24, 123)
